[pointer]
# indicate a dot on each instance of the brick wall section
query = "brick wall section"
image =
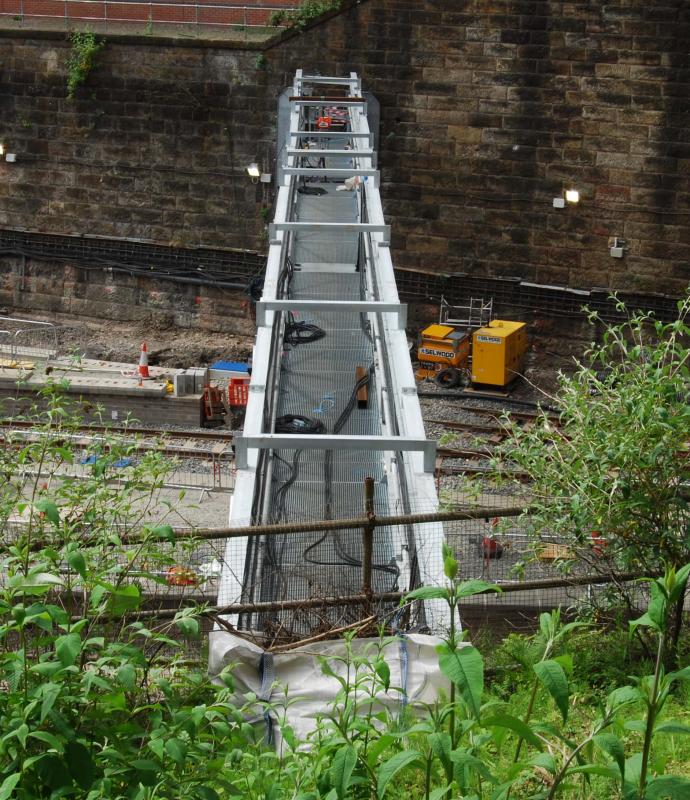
(489, 109)
(213, 12)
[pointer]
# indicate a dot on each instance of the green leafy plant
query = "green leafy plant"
(82, 59)
(96, 701)
(100, 701)
(609, 477)
(301, 16)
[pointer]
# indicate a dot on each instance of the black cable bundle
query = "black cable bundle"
(315, 190)
(296, 423)
(302, 333)
(345, 559)
(255, 288)
(337, 427)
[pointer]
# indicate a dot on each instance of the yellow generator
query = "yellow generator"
(498, 352)
(440, 347)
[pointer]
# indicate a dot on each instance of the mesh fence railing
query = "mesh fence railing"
(286, 583)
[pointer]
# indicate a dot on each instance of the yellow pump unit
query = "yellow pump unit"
(439, 347)
(498, 352)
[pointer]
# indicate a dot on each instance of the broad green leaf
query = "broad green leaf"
(389, 769)
(127, 675)
(68, 648)
(341, 770)
(671, 727)
(470, 588)
(441, 747)
(80, 764)
(163, 532)
(545, 761)
(668, 786)
(115, 701)
(553, 676)
(145, 765)
(77, 562)
(594, 769)
(9, 784)
(125, 598)
(50, 692)
(622, 696)
(633, 769)
(437, 794)
(157, 747)
(465, 760)
(679, 675)
(681, 580)
(613, 747)
(37, 583)
(465, 668)
(189, 626)
(450, 567)
(655, 615)
(176, 749)
(427, 593)
(384, 673)
(49, 509)
(47, 668)
(206, 793)
(517, 726)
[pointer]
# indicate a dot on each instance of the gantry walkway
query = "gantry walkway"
(332, 399)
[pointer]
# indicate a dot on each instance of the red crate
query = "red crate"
(238, 391)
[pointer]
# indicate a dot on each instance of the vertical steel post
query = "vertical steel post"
(368, 535)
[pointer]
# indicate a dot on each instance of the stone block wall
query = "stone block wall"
(56, 288)
(489, 110)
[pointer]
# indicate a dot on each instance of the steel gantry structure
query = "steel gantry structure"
(332, 398)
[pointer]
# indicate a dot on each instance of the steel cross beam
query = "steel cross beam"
(327, 100)
(335, 306)
(352, 153)
(327, 79)
(330, 134)
(325, 172)
(319, 227)
(291, 441)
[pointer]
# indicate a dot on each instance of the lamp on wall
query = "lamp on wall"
(253, 171)
(568, 196)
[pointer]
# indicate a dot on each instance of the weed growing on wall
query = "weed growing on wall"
(305, 13)
(82, 59)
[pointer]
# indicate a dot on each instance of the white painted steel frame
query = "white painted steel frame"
(400, 394)
(331, 135)
(399, 310)
(291, 441)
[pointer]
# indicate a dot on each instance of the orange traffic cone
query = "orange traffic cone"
(144, 362)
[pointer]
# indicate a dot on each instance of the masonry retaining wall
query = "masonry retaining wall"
(489, 110)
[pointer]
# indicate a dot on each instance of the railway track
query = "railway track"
(132, 430)
(186, 444)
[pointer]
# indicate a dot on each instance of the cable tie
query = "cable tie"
(326, 404)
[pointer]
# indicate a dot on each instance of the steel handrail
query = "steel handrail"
(19, 10)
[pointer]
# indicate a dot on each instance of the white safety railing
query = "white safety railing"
(28, 339)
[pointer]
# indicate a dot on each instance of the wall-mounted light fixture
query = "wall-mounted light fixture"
(569, 196)
(253, 170)
(617, 250)
(2, 149)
